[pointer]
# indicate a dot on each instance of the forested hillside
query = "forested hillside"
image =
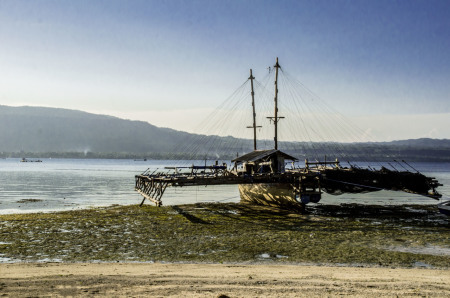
(51, 132)
(36, 129)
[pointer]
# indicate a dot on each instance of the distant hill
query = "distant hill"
(52, 132)
(38, 129)
(423, 143)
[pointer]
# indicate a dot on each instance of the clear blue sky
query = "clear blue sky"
(384, 64)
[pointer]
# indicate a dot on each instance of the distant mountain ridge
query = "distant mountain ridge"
(422, 142)
(39, 129)
(43, 130)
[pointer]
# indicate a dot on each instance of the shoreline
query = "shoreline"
(213, 280)
(324, 202)
(106, 206)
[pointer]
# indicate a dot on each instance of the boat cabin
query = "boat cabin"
(262, 161)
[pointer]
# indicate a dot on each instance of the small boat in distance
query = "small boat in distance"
(30, 160)
(444, 207)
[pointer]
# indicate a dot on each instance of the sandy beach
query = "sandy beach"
(216, 280)
(226, 250)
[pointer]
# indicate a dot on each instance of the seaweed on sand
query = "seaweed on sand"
(346, 234)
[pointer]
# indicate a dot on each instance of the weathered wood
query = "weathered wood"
(151, 188)
(303, 182)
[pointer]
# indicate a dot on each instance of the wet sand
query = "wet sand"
(217, 280)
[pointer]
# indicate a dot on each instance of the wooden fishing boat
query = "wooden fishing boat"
(263, 178)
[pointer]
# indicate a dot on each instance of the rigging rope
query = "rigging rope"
(310, 129)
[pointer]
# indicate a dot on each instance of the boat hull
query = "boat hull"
(270, 194)
(444, 208)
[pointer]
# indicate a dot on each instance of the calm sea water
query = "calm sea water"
(67, 184)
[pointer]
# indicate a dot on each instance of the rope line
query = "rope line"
(311, 128)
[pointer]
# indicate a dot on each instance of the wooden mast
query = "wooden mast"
(276, 118)
(251, 78)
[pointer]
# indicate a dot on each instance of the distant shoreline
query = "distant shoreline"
(413, 155)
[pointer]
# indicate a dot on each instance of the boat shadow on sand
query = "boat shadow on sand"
(286, 219)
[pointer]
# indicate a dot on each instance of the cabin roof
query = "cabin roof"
(260, 154)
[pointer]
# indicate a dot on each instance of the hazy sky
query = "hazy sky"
(383, 64)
